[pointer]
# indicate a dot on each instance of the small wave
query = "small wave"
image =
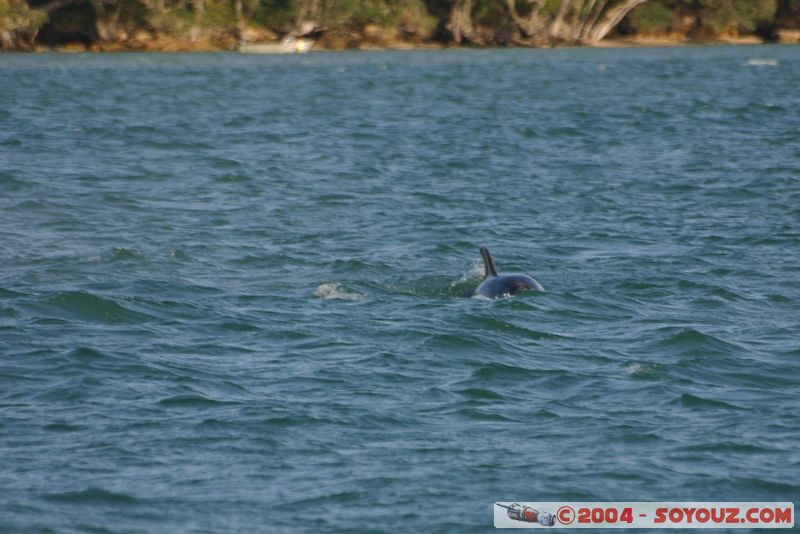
(353, 265)
(645, 371)
(87, 354)
(191, 401)
(480, 394)
(8, 312)
(482, 415)
(336, 291)
(91, 495)
(176, 145)
(775, 297)
(12, 142)
(10, 293)
(456, 342)
(763, 485)
(691, 341)
(234, 177)
(295, 421)
(239, 326)
(335, 198)
(486, 323)
(222, 162)
(63, 427)
(322, 498)
(124, 254)
(761, 62)
(691, 401)
(502, 371)
(87, 307)
(718, 447)
(140, 128)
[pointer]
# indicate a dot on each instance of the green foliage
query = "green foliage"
(551, 7)
(339, 14)
(355, 14)
(651, 17)
(17, 17)
(170, 22)
(732, 15)
(490, 13)
(219, 15)
(135, 14)
(415, 17)
(277, 14)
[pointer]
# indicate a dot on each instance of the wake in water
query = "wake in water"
(441, 287)
(336, 292)
(429, 287)
(474, 273)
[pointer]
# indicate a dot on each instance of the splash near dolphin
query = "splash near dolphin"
(502, 285)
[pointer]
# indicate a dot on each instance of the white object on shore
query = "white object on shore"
(288, 45)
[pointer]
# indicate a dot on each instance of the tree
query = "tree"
(572, 21)
(106, 18)
(460, 21)
(19, 24)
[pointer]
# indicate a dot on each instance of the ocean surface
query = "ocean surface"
(235, 289)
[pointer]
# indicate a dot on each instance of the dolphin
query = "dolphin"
(502, 285)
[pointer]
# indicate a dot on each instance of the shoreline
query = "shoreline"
(400, 47)
(166, 44)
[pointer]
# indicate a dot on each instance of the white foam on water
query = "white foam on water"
(475, 272)
(336, 291)
(643, 370)
(762, 62)
(634, 369)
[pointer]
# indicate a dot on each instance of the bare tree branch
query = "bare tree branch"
(612, 17)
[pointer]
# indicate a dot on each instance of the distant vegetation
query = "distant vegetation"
(213, 24)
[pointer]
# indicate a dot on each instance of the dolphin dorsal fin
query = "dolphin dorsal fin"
(489, 268)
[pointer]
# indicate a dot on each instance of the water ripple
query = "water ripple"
(234, 291)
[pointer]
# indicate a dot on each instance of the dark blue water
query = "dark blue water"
(234, 289)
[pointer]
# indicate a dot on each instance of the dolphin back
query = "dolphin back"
(489, 267)
(507, 285)
(502, 285)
